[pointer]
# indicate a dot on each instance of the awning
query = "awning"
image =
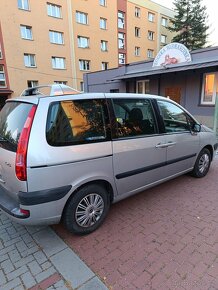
(5, 92)
(167, 69)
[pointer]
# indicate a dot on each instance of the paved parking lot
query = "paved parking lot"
(164, 238)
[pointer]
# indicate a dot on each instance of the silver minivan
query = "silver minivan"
(67, 156)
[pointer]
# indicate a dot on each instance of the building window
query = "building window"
(56, 37)
(121, 40)
(104, 45)
(26, 32)
(121, 19)
(142, 87)
(122, 58)
(54, 10)
(83, 42)
(164, 21)
(23, 4)
(58, 62)
(150, 53)
(137, 51)
(81, 17)
(29, 60)
(163, 39)
(82, 86)
(102, 2)
(103, 23)
(137, 12)
(150, 35)
(150, 17)
(209, 89)
(84, 64)
(2, 77)
(60, 82)
(1, 55)
(104, 65)
(137, 32)
(31, 84)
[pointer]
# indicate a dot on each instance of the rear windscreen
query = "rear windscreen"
(12, 119)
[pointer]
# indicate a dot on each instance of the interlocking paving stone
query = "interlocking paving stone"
(169, 232)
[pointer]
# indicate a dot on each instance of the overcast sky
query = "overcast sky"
(211, 11)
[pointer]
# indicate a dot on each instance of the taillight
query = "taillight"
(21, 156)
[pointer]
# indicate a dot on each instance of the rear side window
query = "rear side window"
(12, 120)
(77, 122)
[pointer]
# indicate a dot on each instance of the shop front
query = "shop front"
(189, 78)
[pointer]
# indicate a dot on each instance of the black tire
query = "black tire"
(90, 206)
(202, 164)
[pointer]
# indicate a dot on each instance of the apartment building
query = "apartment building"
(58, 41)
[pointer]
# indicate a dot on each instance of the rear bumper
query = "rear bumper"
(45, 207)
(10, 205)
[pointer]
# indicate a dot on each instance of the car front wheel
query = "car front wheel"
(86, 210)
(202, 164)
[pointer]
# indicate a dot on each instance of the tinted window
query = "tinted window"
(134, 117)
(175, 119)
(12, 119)
(77, 122)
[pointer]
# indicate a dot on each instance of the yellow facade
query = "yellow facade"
(36, 17)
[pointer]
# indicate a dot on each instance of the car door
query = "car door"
(139, 154)
(183, 144)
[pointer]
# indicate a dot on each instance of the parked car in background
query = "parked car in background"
(68, 156)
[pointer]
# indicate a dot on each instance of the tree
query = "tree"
(189, 23)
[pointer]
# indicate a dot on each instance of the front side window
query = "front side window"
(53, 10)
(104, 45)
(26, 32)
(23, 4)
(56, 37)
(58, 62)
(77, 122)
(84, 64)
(121, 40)
(150, 35)
(83, 42)
(29, 60)
(174, 118)
(2, 77)
(134, 117)
(209, 89)
(121, 19)
(103, 23)
(81, 17)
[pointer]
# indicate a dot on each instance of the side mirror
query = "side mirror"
(196, 128)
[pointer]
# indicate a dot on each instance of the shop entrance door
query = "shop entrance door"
(174, 94)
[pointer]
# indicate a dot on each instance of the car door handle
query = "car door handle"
(2, 181)
(162, 145)
(171, 143)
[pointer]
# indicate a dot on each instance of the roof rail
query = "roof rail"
(50, 90)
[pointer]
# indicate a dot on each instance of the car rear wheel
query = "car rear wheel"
(86, 210)
(202, 164)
